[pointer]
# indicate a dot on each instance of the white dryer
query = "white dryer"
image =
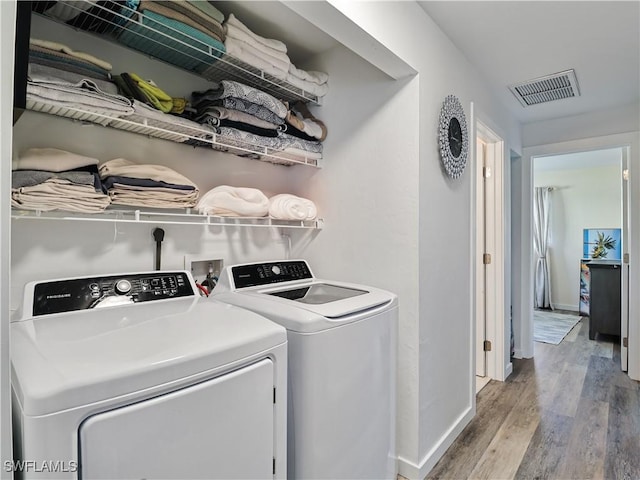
(161, 383)
(342, 350)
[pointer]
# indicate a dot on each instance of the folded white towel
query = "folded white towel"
(319, 90)
(243, 51)
(229, 201)
(309, 76)
(268, 42)
(275, 57)
(290, 207)
(51, 160)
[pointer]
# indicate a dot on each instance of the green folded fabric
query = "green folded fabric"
(155, 95)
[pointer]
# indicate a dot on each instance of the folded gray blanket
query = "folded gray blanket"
(29, 178)
(82, 94)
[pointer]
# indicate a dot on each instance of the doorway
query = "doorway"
(490, 256)
(588, 197)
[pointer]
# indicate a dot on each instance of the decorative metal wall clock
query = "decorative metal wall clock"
(453, 137)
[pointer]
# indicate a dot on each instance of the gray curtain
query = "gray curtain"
(541, 210)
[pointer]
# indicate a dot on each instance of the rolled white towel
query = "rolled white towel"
(290, 207)
(229, 201)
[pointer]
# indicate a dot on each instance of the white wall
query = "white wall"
(420, 243)
(595, 124)
(582, 198)
(7, 35)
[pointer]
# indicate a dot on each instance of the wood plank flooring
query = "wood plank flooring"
(567, 413)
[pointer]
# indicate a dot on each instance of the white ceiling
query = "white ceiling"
(513, 41)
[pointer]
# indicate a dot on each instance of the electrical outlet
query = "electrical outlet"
(201, 265)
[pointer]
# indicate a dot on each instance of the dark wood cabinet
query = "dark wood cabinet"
(605, 300)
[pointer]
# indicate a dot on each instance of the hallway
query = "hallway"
(568, 413)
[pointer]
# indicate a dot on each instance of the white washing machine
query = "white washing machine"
(160, 383)
(342, 350)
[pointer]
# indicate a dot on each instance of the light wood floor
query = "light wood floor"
(568, 413)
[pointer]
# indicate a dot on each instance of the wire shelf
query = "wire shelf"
(196, 135)
(166, 42)
(178, 217)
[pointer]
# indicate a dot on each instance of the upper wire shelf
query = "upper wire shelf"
(167, 43)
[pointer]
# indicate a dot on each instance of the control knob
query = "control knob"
(276, 270)
(123, 287)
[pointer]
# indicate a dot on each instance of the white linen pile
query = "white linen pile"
(147, 185)
(291, 207)
(47, 179)
(227, 201)
(270, 56)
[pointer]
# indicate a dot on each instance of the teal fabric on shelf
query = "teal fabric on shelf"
(171, 41)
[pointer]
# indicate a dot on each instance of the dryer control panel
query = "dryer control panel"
(94, 292)
(269, 273)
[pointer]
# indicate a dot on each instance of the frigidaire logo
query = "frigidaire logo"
(59, 295)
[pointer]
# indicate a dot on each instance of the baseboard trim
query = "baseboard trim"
(561, 306)
(508, 371)
(410, 470)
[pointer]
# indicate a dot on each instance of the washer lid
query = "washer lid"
(330, 304)
(318, 293)
(70, 359)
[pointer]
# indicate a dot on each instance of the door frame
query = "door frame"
(624, 281)
(524, 341)
(497, 332)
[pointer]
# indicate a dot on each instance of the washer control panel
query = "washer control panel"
(269, 273)
(93, 292)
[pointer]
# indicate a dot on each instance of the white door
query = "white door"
(490, 269)
(221, 428)
(481, 283)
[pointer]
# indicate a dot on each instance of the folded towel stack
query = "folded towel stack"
(291, 207)
(266, 54)
(60, 56)
(188, 34)
(48, 179)
(154, 186)
(244, 116)
(229, 201)
(84, 94)
(270, 56)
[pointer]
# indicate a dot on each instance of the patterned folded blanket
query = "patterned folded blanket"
(229, 88)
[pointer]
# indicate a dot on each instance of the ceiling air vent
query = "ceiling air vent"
(547, 89)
